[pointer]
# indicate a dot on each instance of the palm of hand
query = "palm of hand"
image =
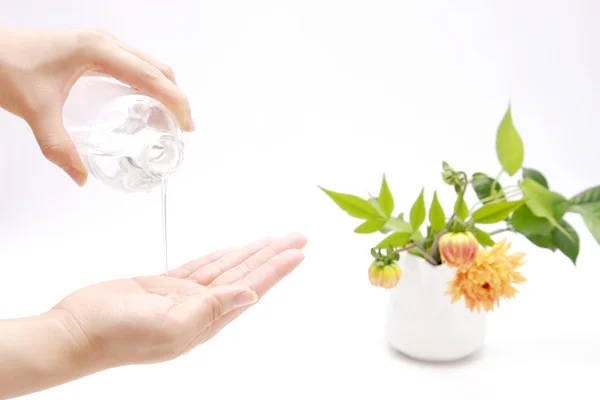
(155, 318)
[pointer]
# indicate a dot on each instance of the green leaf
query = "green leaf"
(386, 200)
(509, 146)
(399, 225)
(589, 198)
(353, 205)
(447, 169)
(560, 205)
(541, 202)
(496, 212)
(536, 176)
(543, 240)
(417, 212)
(374, 201)
(417, 237)
(397, 239)
(568, 245)
(371, 226)
(525, 221)
(436, 214)
(587, 204)
(460, 208)
(485, 186)
(591, 217)
(539, 198)
(592, 222)
(482, 237)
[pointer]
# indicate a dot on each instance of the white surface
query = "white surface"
(287, 95)
(422, 323)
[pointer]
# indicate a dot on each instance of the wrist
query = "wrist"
(39, 353)
(73, 340)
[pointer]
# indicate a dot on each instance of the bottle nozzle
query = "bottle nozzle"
(163, 156)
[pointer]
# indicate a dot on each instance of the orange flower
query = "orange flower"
(458, 248)
(488, 279)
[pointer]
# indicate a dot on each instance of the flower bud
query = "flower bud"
(385, 276)
(448, 177)
(458, 249)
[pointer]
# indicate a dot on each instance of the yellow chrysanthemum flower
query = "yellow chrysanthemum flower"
(489, 278)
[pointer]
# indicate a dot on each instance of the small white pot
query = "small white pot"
(422, 323)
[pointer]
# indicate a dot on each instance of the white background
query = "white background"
(288, 95)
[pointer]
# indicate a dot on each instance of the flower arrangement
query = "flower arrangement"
(485, 272)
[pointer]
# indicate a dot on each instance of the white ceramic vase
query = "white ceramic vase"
(422, 323)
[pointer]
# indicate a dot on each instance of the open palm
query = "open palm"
(156, 318)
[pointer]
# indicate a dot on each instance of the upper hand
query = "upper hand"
(39, 67)
(154, 318)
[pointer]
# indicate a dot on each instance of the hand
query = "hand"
(154, 318)
(38, 68)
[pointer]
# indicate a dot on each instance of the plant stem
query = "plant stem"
(462, 191)
(421, 250)
(506, 193)
(405, 248)
(434, 247)
(498, 177)
(428, 256)
(491, 199)
(497, 231)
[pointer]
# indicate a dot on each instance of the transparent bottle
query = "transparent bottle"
(127, 140)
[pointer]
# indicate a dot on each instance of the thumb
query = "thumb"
(56, 146)
(218, 301)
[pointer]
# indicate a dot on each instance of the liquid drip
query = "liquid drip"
(164, 224)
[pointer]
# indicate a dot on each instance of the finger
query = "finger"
(292, 241)
(272, 272)
(260, 281)
(55, 144)
(201, 311)
(112, 60)
(207, 274)
(164, 68)
(189, 268)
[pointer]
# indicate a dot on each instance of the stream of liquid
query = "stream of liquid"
(164, 224)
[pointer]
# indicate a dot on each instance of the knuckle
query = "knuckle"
(244, 269)
(199, 279)
(214, 308)
(270, 251)
(150, 71)
(168, 71)
(222, 265)
(90, 38)
(52, 151)
(59, 154)
(89, 43)
(101, 31)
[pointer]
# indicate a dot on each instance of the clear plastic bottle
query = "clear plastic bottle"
(127, 140)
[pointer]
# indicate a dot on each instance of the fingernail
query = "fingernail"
(190, 122)
(79, 177)
(246, 298)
